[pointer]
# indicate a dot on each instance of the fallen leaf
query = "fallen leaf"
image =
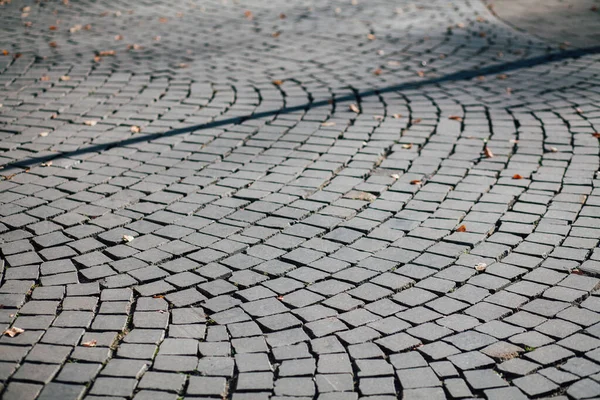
(481, 267)
(396, 116)
(158, 296)
(488, 153)
(45, 78)
(370, 36)
(282, 16)
(354, 108)
(87, 27)
(553, 149)
(378, 71)
(127, 238)
(75, 28)
(46, 164)
(596, 135)
(416, 182)
(407, 146)
(328, 123)
(90, 343)
(53, 27)
(461, 228)
(9, 177)
(65, 78)
(395, 176)
(276, 34)
(90, 122)
(14, 331)
(135, 129)
(52, 44)
(97, 59)
(163, 20)
(421, 73)
(43, 134)
(277, 82)
(107, 53)
(480, 19)
(248, 14)
(119, 37)
(517, 176)
(455, 118)
(416, 121)
(5, 52)
(577, 272)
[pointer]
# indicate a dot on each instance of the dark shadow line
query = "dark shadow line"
(460, 75)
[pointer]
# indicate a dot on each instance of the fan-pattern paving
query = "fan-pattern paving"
(311, 200)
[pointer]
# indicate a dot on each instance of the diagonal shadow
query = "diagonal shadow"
(456, 76)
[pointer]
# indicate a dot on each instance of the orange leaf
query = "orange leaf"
(596, 135)
(378, 71)
(248, 14)
(45, 78)
(106, 53)
(461, 228)
(517, 176)
(52, 44)
(416, 182)
(65, 78)
(488, 153)
(416, 121)
(354, 107)
(53, 28)
(5, 52)
(455, 118)
(158, 296)
(91, 343)
(14, 331)
(277, 82)
(421, 73)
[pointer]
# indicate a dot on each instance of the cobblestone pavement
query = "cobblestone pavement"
(322, 200)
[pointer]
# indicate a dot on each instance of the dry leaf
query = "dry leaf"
(396, 116)
(416, 121)
(119, 37)
(5, 52)
(596, 135)
(378, 71)
(277, 82)
(135, 129)
(370, 36)
(97, 59)
(87, 27)
(46, 164)
(577, 272)
(163, 20)
(455, 118)
(127, 238)
(45, 78)
(75, 28)
(407, 146)
(90, 343)
(282, 16)
(90, 122)
(354, 108)
(65, 78)
(481, 267)
(517, 176)
(248, 14)
(53, 27)
(421, 73)
(488, 153)
(416, 182)
(395, 176)
(328, 123)
(14, 331)
(107, 53)
(461, 228)
(276, 34)
(553, 149)
(52, 44)
(43, 134)
(158, 296)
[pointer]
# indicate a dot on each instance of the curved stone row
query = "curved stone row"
(255, 200)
